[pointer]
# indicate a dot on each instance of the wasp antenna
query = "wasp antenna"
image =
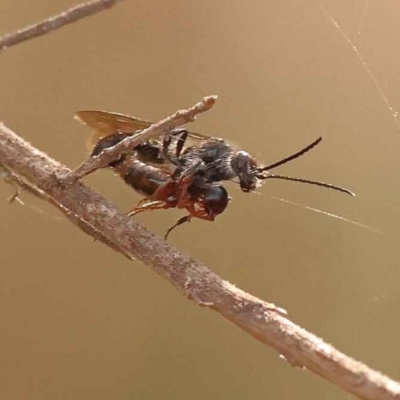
(310, 182)
(292, 157)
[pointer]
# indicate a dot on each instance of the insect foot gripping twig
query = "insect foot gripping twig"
(111, 154)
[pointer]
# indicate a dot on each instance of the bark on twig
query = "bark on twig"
(264, 321)
(50, 24)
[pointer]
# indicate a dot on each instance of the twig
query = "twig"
(50, 24)
(264, 321)
(18, 183)
(110, 154)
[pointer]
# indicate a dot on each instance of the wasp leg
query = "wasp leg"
(181, 142)
(152, 205)
(197, 210)
(146, 199)
(181, 221)
(184, 198)
(182, 135)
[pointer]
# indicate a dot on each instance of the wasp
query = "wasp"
(182, 169)
(144, 169)
(213, 159)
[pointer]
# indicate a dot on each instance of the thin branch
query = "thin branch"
(264, 321)
(110, 154)
(58, 21)
(19, 184)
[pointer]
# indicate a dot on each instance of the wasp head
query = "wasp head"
(245, 167)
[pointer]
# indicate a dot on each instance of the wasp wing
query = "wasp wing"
(107, 123)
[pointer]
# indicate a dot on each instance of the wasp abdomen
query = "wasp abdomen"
(143, 178)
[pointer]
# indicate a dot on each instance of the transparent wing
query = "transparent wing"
(107, 123)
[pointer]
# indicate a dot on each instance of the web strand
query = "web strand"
(363, 17)
(367, 69)
(331, 215)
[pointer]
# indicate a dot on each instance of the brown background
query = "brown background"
(80, 322)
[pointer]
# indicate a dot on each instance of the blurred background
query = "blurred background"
(79, 321)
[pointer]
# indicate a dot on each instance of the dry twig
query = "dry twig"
(264, 321)
(50, 24)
